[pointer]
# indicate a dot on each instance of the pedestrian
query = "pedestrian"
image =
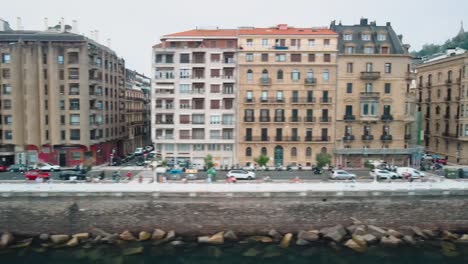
(101, 176)
(140, 179)
(129, 175)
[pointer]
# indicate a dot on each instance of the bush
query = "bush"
(369, 165)
(323, 159)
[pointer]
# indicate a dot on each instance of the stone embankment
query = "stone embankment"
(356, 236)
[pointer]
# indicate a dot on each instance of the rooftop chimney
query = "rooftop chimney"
(109, 43)
(363, 22)
(283, 26)
(75, 27)
(389, 24)
(62, 24)
(19, 25)
(46, 23)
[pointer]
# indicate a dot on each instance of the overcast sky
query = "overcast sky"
(134, 26)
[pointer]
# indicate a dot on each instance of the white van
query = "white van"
(415, 174)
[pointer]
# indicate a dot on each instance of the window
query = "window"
(248, 152)
(293, 152)
(349, 88)
(8, 134)
(198, 147)
(384, 50)
(368, 67)
(264, 42)
(215, 119)
(74, 119)
(264, 57)
(215, 57)
(296, 57)
(6, 58)
(60, 59)
(387, 88)
(349, 67)
(308, 152)
(326, 42)
(74, 89)
(369, 108)
(311, 42)
(249, 43)
(75, 155)
(7, 89)
(280, 57)
(365, 36)
(63, 135)
(279, 75)
(326, 75)
(249, 75)
(348, 36)
(7, 104)
(74, 134)
(263, 151)
(381, 37)
(279, 96)
(368, 88)
(326, 57)
(62, 120)
(73, 74)
(249, 96)
(295, 75)
(74, 104)
(466, 130)
(249, 57)
(215, 134)
(349, 50)
(8, 119)
(264, 96)
(6, 73)
(368, 50)
(311, 57)
(184, 88)
(388, 68)
(185, 58)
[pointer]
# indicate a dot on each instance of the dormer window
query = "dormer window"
(348, 36)
(368, 50)
(365, 36)
(381, 37)
(349, 50)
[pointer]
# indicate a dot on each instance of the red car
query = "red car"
(441, 161)
(33, 174)
(3, 168)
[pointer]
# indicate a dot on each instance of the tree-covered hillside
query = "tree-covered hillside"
(461, 41)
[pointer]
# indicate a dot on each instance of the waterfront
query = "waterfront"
(191, 252)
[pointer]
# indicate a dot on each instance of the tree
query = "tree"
(208, 161)
(262, 160)
(323, 159)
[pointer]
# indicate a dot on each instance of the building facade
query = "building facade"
(287, 80)
(61, 97)
(137, 107)
(193, 101)
(443, 98)
(375, 106)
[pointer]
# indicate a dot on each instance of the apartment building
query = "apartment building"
(137, 110)
(375, 108)
(287, 81)
(443, 99)
(193, 100)
(61, 97)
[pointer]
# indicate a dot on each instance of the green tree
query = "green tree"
(262, 160)
(369, 165)
(164, 163)
(323, 159)
(208, 161)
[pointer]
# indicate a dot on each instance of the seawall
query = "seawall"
(205, 210)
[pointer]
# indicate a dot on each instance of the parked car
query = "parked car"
(149, 148)
(441, 161)
(3, 168)
(48, 167)
(17, 168)
(426, 156)
(77, 175)
(241, 174)
(138, 152)
(342, 175)
(34, 174)
(413, 173)
(383, 174)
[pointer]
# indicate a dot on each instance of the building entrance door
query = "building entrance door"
(63, 159)
(278, 155)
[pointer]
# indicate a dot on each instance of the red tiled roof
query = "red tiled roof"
(288, 31)
(205, 33)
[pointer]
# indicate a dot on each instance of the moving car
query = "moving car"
(17, 168)
(413, 173)
(426, 156)
(342, 175)
(138, 152)
(77, 175)
(3, 167)
(383, 174)
(441, 161)
(34, 174)
(48, 167)
(241, 174)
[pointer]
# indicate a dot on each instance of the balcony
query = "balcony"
(310, 81)
(369, 95)
(198, 76)
(295, 119)
(367, 137)
(228, 77)
(265, 119)
(279, 119)
(166, 122)
(349, 118)
(303, 100)
(249, 100)
(326, 100)
(349, 138)
(448, 81)
(249, 119)
(288, 139)
(265, 81)
(257, 139)
(279, 47)
(386, 118)
(317, 139)
(272, 100)
(325, 119)
(386, 137)
(310, 119)
(371, 76)
(449, 135)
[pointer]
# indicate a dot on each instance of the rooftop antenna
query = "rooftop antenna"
(62, 24)
(46, 23)
(75, 26)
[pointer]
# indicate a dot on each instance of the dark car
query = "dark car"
(441, 161)
(17, 168)
(77, 174)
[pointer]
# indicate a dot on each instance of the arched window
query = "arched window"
(265, 73)
(310, 74)
(323, 150)
(309, 152)
(279, 75)
(248, 152)
(293, 152)
(249, 75)
(295, 75)
(264, 151)
(449, 76)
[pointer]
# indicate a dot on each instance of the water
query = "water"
(191, 253)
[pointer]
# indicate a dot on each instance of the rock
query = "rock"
(409, 240)
(376, 231)
(158, 234)
(100, 232)
(177, 243)
(406, 231)
(370, 239)
(360, 240)
(418, 232)
(286, 240)
(360, 231)
(217, 239)
(275, 235)
(81, 235)
(308, 235)
(59, 239)
(463, 238)
(230, 236)
(356, 221)
(203, 239)
(335, 233)
(351, 228)
(22, 243)
(73, 242)
(133, 251)
(390, 241)
(251, 253)
(143, 236)
(127, 236)
(302, 242)
(449, 249)
(449, 236)
(170, 235)
(44, 237)
(6, 239)
(263, 239)
(110, 239)
(394, 233)
(352, 244)
(429, 233)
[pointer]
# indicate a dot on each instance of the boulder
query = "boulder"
(429, 233)
(143, 236)
(286, 240)
(352, 244)
(335, 233)
(263, 239)
(409, 240)
(217, 239)
(59, 239)
(81, 235)
(203, 239)
(158, 234)
(170, 235)
(133, 251)
(370, 239)
(302, 242)
(394, 233)
(418, 232)
(275, 235)
(360, 231)
(376, 231)
(73, 242)
(356, 221)
(308, 235)
(463, 238)
(44, 237)
(6, 239)
(390, 241)
(360, 240)
(449, 236)
(110, 239)
(23, 243)
(406, 230)
(177, 243)
(230, 236)
(127, 236)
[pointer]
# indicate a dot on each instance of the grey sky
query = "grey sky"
(134, 26)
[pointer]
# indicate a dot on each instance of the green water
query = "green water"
(234, 253)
